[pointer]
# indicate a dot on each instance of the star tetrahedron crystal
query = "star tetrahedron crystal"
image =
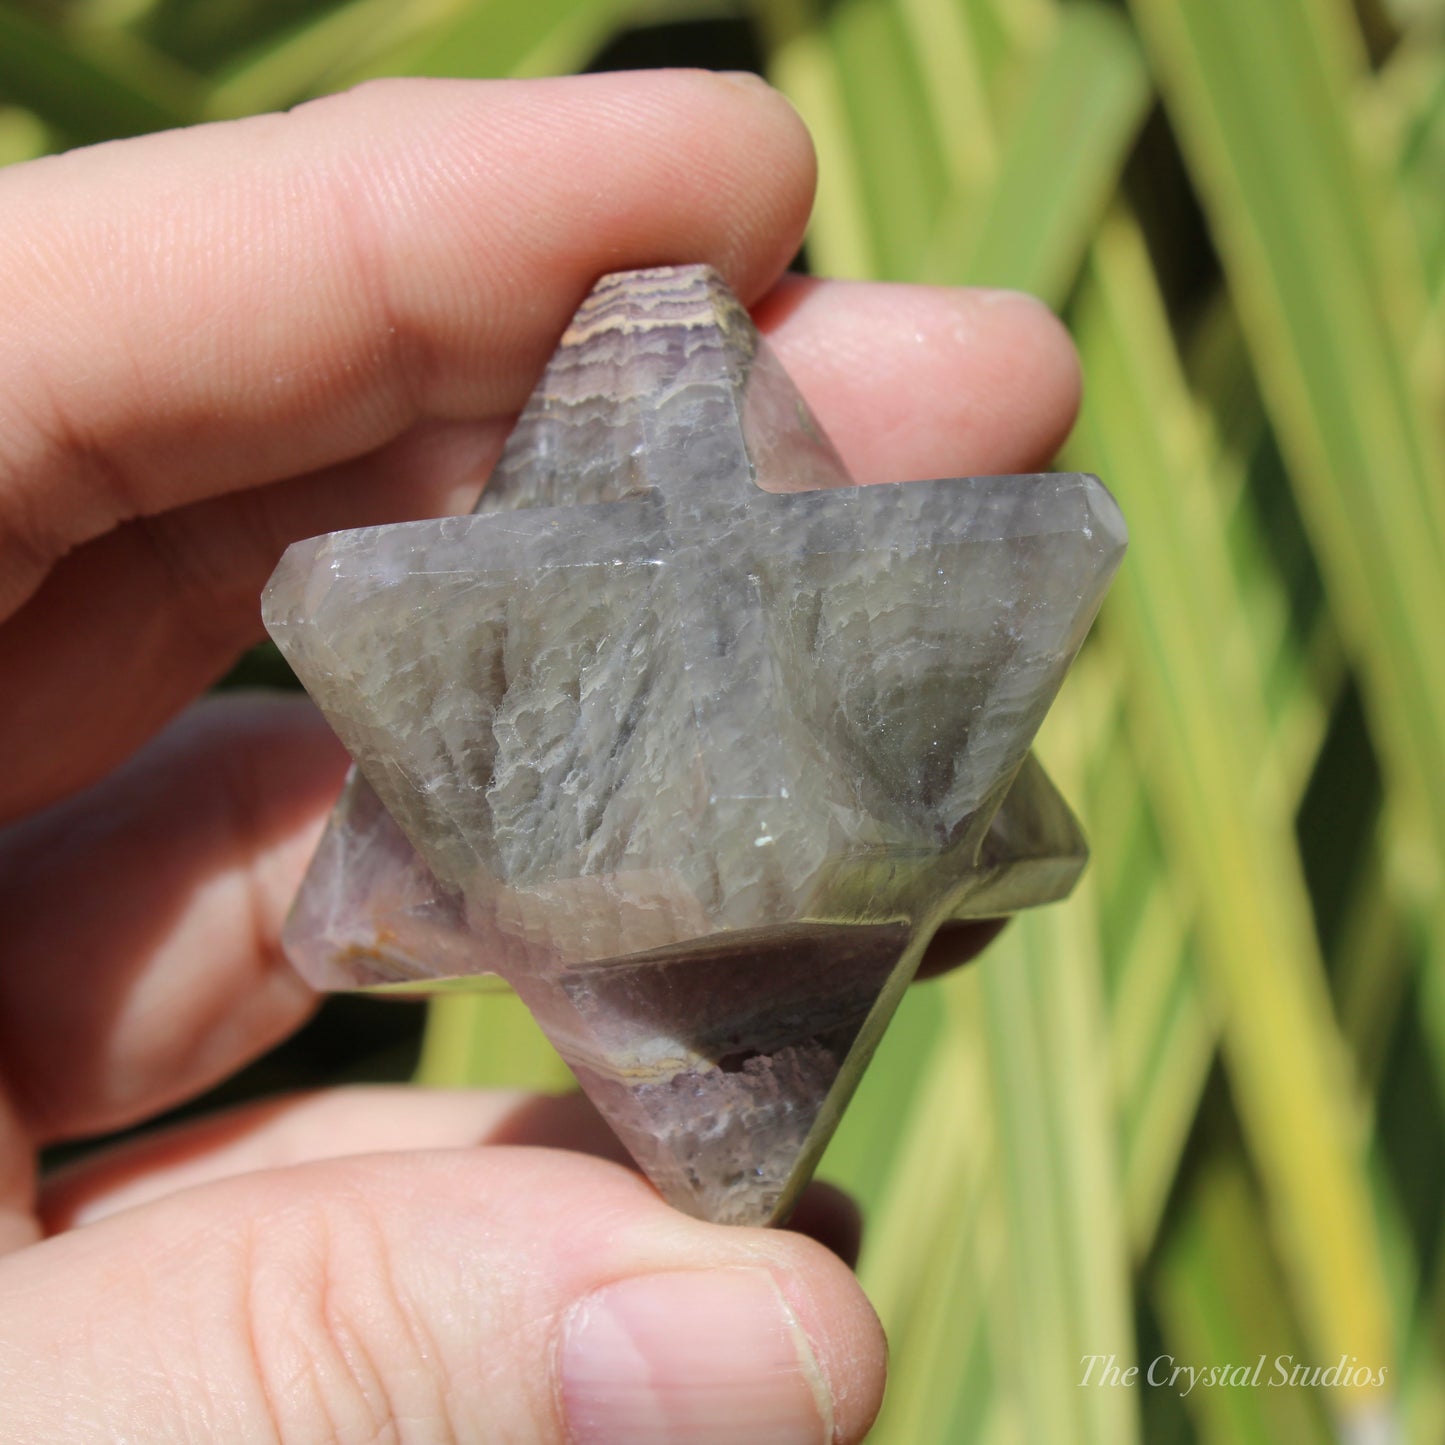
(688, 738)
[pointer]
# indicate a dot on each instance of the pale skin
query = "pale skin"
(213, 342)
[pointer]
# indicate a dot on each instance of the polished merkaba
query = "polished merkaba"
(689, 739)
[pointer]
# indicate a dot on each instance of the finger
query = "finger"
(18, 1224)
(176, 597)
(911, 381)
(831, 1216)
(958, 942)
(479, 1294)
(322, 279)
(914, 382)
(141, 950)
(367, 1120)
(407, 251)
(304, 1128)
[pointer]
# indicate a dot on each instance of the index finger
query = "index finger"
(204, 310)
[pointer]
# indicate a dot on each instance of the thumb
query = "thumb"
(508, 1294)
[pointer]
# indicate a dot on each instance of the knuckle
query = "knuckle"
(338, 1346)
(207, 574)
(57, 489)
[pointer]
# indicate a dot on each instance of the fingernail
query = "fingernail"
(692, 1357)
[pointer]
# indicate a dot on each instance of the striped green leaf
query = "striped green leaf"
(1315, 243)
(1058, 163)
(1199, 695)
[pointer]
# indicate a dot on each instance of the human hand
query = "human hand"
(215, 342)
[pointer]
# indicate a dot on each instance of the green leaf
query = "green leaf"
(91, 85)
(932, 1261)
(1222, 1303)
(23, 135)
(507, 37)
(861, 1155)
(900, 163)
(322, 52)
(1163, 1022)
(488, 1039)
(803, 65)
(1197, 694)
(1314, 241)
(1048, 1057)
(1058, 163)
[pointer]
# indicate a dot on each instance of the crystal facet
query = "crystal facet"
(691, 740)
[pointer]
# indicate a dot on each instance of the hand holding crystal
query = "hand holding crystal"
(219, 341)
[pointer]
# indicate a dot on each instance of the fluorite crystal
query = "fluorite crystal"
(688, 738)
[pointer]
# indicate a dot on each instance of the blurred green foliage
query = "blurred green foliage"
(1199, 1111)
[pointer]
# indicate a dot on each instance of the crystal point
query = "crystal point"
(691, 740)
